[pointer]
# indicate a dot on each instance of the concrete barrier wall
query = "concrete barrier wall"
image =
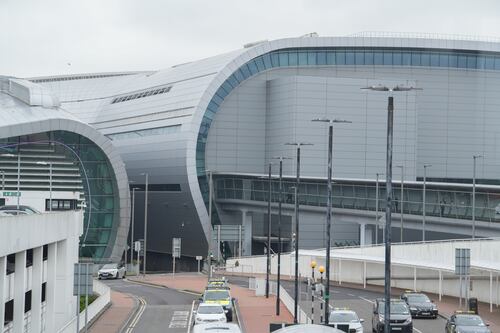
(94, 309)
(425, 261)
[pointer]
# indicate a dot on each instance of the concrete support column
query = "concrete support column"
(364, 274)
(50, 291)
(63, 306)
(440, 285)
(362, 234)
(415, 278)
(19, 291)
(491, 291)
(246, 222)
(36, 290)
(3, 277)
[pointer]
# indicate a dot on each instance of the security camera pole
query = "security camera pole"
(388, 205)
(295, 312)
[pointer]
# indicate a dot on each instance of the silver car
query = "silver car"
(111, 271)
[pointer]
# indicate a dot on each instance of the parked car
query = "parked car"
(219, 283)
(401, 320)
(464, 322)
(217, 328)
(111, 271)
(22, 209)
(308, 328)
(345, 320)
(221, 297)
(420, 305)
(209, 313)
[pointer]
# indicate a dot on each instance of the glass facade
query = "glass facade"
(336, 56)
(101, 216)
(440, 202)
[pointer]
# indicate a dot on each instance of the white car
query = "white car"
(217, 328)
(210, 313)
(346, 320)
(111, 271)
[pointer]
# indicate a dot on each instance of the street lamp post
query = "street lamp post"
(475, 157)
(268, 264)
(210, 228)
(18, 173)
(321, 270)
(388, 186)
(132, 223)
(145, 220)
(50, 181)
(295, 312)
(423, 200)
(401, 201)
(280, 245)
(329, 207)
(376, 208)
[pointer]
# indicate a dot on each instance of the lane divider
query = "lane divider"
(138, 314)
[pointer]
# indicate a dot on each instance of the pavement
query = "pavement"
(256, 312)
(359, 299)
(113, 319)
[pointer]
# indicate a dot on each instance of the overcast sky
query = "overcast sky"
(52, 37)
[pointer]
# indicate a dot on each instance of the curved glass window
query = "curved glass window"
(337, 56)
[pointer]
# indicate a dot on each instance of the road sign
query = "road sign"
(137, 246)
(462, 262)
(199, 257)
(176, 247)
(141, 247)
(82, 279)
(11, 194)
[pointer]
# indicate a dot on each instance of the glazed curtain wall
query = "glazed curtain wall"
(338, 56)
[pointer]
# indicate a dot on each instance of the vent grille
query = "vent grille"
(78, 77)
(141, 94)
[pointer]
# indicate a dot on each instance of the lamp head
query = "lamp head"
(313, 264)
(321, 269)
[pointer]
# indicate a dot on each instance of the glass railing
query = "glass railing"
(440, 201)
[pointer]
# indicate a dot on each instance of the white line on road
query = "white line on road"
(352, 295)
(137, 316)
(179, 319)
(366, 299)
(190, 317)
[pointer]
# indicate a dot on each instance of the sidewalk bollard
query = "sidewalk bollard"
(321, 270)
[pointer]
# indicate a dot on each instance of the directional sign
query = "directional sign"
(176, 247)
(11, 194)
(462, 262)
(82, 279)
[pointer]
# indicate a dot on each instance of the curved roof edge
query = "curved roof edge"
(54, 124)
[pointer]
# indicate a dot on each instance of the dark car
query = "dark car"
(400, 316)
(420, 305)
(466, 323)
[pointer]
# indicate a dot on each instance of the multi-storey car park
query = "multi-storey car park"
(231, 114)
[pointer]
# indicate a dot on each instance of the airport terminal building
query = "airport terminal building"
(230, 115)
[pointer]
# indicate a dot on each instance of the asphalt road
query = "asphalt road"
(358, 300)
(165, 310)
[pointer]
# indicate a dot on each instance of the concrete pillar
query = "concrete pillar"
(50, 291)
(3, 277)
(362, 234)
(36, 290)
(246, 222)
(19, 291)
(63, 303)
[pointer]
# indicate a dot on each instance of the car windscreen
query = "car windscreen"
(216, 295)
(418, 299)
(203, 309)
(343, 317)
(110, 266)
(396, 308)
(469, 321)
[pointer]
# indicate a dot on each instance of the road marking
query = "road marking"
(190, 317)
(417, 330)
(179, 319)
(137, 316)
(367, 300)
(352, 295)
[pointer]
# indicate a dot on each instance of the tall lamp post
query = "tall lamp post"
(296, 294)
(268, 264)
(388, 186)
(146, 188)
(132, 223)
(423, 200)
(474, 158)
(18, 173)
(376, 207)
(50, 181)
(401, 201)
(280, 245)
(329, 206)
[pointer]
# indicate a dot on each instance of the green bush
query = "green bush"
(92, 298)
